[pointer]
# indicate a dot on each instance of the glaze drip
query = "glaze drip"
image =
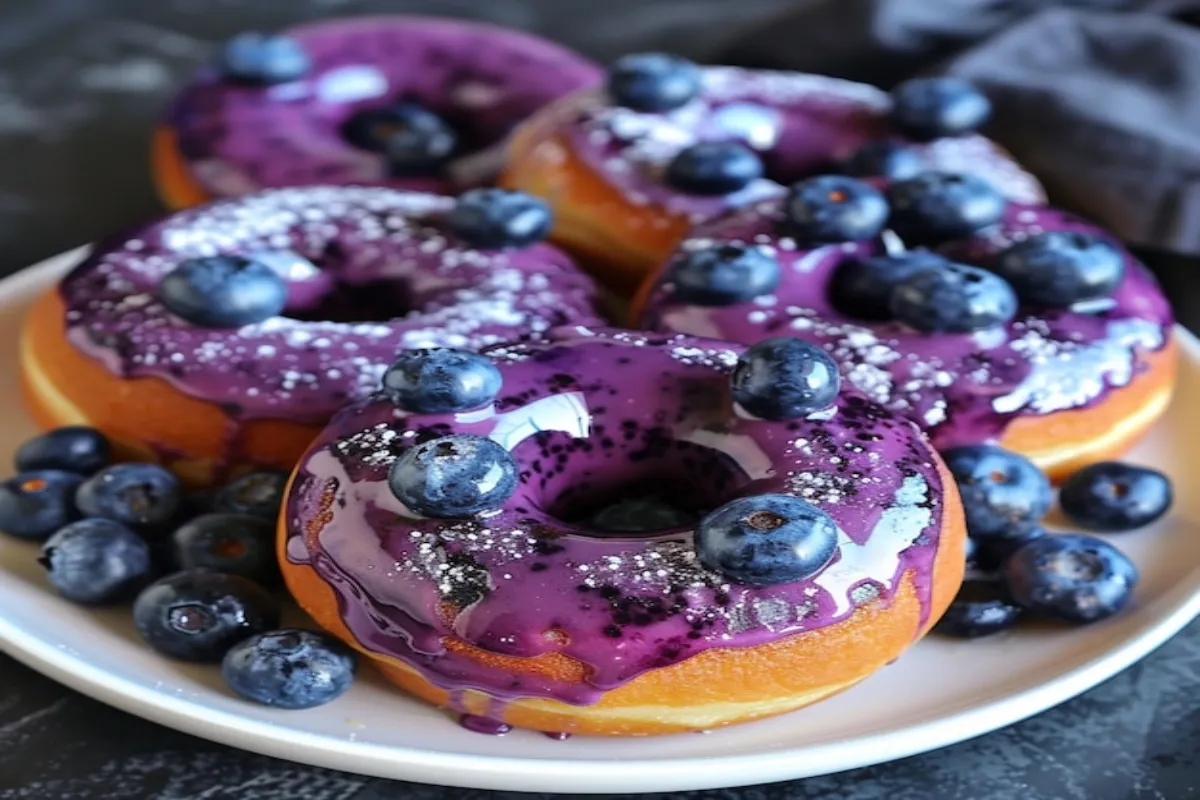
(582, 409)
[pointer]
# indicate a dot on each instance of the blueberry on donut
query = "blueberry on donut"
(666, 144)
(407, 102)
(980, 318)
(612, 545)
(227, 335)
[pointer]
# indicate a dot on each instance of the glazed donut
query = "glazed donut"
(1063, 383)
(528, 612)
(338, 279)
(320, 104)
(609, 169)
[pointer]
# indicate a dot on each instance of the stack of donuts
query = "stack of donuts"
(391, 270)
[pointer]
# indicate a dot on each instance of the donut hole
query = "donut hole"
(635, 482)
(374, 301)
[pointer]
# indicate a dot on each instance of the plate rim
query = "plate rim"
(519, 773)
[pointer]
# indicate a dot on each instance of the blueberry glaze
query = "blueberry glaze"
(237, 138)
(584, 415)
(963, 388)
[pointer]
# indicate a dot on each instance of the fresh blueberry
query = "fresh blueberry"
(990, 553)
(289, 668)
(981, 608)
(441, 380)
(1111, 496)
(261, 59)
(454, 476)
(713, 168)
(1004, 494)
(785, 378)
(96, 561)
(1070, 576)
(136, 494)
(198, 615)
(953, 298)
(835, 208)
(497, 219)
(259, 494)
(724, 275)
(75, 448)
(223, 291)
(639, 515)
(1059, 268)
(936, 206)
(415, 140)
(238, 544)
(887, 159)
(35, 504)
(862, 288)
(930, 108)
(766, 540)
(653, 81)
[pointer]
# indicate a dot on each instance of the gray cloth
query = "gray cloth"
(1099, 98)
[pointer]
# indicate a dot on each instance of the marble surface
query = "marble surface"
(81, 82)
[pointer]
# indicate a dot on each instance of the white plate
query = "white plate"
(939, 693)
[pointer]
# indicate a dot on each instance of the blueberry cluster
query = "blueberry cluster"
(199, 568)
(1072, 577)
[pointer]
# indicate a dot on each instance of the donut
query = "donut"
(1066, 374)
(593, 579)
(629, 168)
(310, 293)
(413, 103)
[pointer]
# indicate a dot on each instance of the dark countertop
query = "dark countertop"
(81, 82)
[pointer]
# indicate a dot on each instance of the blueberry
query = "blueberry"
(1070, 576)
(981, 608)
(496, 218)
(930, 108)
(257, 58)
(415, 140)
(223, 291)
(639, 515)
(936, 206)
(289, 668)
(198, 615)
(1004, 494)
(454, 476)
(712, 168)
(238, 544)
(441, 380)
(259, 494)
(136, 494)
(1058, 269)
(887, 159)
(862, 288)
(766, 540)
(835, 208)
(653, 81)
(1111, 496)
(724, 275)
(75, 448)
(953, 298)
(990, 553)
(96, 561)
(785, 378)
(35, 504)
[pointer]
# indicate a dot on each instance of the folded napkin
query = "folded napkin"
(1099, 98)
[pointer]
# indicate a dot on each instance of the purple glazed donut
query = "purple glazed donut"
(536, 615)
(606, 167)
(1042, 383)
(367, 272)
(225, 135)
